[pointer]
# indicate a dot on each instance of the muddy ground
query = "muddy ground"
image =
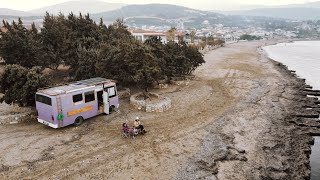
(231, 122)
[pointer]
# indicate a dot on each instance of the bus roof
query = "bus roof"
(74, 86)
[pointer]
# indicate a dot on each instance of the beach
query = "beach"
(242, 117)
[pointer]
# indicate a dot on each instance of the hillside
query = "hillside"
(83, 6)
(307, 11)
(287, 13)
(171, 15)
(11, 12)
(306, 5)
(164, 11)
(150, 14)
(160, 14)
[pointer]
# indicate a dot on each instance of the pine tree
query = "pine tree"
(19, 45)
(181, 59)
(117, 30)
(53, 40)
(158, 50)
(129, 62)
(87, 58)
(84, 33)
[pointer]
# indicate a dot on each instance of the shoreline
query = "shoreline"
(304, 119)
(282, 151)
(298, 56)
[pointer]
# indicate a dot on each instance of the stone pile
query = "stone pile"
(161, 104)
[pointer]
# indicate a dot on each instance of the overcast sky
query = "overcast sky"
(197, 4)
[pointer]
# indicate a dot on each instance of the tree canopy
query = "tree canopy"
(19, 84)
(88, 50)
(20, 45)
(130, 62)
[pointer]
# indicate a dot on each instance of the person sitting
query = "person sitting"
(137, 125)
(133, 132)
(125, 128)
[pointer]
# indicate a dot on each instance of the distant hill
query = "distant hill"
(300, 13)
(175, 16)
(149, 14)
(164, 11)
(83, 6)
(306, 5)
(163, 15)
(292, 11)
(159, 14)
(10, 12)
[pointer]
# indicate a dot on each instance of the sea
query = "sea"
(304, 58)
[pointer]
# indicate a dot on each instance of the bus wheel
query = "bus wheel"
(78, 121)
(111, 109)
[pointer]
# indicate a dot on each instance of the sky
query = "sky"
(26, 5)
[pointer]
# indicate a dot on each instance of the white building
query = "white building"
(143, 35)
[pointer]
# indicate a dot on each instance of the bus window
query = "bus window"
(43, 99)
(77, 99)
(112, 91)
(89, 96)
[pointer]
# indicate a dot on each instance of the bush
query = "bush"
(249, 37)
(19, 84)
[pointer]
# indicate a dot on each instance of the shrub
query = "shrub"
(19, 84)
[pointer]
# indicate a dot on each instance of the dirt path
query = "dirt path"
(213, 131)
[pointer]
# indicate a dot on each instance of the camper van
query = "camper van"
(72, 103)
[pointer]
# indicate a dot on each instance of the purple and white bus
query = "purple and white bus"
(72, 103)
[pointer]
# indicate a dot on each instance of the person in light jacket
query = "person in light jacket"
(137, 124)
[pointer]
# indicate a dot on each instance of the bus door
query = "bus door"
(106, 102)
(100, 101)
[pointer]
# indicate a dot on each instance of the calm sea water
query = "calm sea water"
(301, 56)
(304, 58)
(315, 160)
